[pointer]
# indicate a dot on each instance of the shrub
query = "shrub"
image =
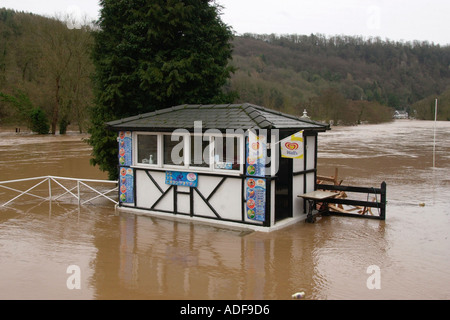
(38, 121)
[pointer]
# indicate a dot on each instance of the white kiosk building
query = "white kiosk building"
(218, 163)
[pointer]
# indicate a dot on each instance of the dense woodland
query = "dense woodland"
(46, 75)
(342, 78)
(45, 72)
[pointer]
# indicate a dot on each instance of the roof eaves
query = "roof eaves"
(132, 118)
(179, 107)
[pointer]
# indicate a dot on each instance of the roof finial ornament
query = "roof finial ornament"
(305, 114)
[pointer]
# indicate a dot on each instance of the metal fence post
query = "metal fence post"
(78, 187)
(49, 188)
(383, 201)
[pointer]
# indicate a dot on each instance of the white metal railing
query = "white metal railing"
(68, 190)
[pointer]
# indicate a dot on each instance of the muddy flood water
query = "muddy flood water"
(44, 245)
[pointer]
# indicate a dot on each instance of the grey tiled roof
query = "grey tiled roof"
(219, 116)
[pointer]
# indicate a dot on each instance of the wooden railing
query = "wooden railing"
(359, 208)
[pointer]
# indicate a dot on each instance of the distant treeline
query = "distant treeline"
(46, 74)
(291, 72)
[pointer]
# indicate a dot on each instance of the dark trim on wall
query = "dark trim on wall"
(216, 188)
(162, 196)
(207, 203)
(154, 181)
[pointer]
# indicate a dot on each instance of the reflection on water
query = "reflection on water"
(125, 256)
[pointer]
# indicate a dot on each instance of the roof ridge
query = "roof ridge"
(287, 115)
(253, 107)
(277, 112)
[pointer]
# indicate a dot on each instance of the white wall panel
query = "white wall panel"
(227, 200)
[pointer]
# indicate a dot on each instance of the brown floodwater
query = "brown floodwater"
(125, 256)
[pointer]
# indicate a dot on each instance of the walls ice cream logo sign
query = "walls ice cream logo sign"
(292, 146)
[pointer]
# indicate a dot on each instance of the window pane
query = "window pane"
(227, 152)
(174, 150)
(147, 149)
(199, 151)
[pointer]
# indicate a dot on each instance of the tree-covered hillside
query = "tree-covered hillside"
(292, 72)
(46, 74)
(45, 71)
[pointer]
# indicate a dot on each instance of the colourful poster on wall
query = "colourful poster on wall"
(126, 185)
(188, 179)
(125, 148)
(256, 155)
(256, 198)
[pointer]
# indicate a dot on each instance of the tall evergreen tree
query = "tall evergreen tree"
(153, 54)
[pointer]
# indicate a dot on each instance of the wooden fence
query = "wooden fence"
(375, 199)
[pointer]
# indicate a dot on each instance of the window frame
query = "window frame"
(187, 152)
(211, 148)
(241, 154)
(135, 147)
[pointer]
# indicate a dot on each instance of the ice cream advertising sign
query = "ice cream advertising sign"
(126, 183)
(256, 199)
(292, 146)
(124, 140)
(188, 179)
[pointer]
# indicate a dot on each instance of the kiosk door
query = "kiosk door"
(283, 190)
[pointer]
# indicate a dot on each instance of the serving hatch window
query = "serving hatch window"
(174, 146)
(227, 153)
(147, 149)
(212, 152)
(200, 151)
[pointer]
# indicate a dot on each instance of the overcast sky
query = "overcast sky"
(399, 20)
